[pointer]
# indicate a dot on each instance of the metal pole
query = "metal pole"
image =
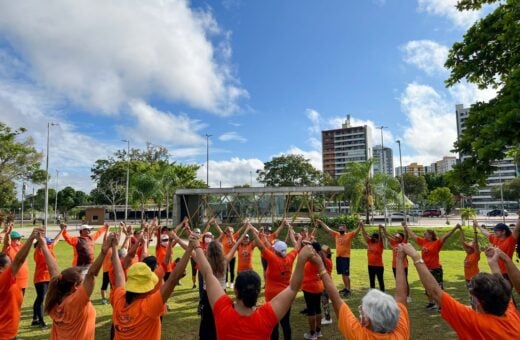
(127, 177)
(56, 197)
(501, 194)
(23, 198)
(207, 159)
(382, 169)
(402, 178)
(46, 209)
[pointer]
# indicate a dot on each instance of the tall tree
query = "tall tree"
(289, 171)
(489, 56)
(359, 186)
(442, 197)
(415, 187)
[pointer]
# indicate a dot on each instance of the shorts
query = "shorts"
(343, 265)
(437, 274)
(313, 302)
(106, 281)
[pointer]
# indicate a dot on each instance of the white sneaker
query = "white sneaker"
(325, 321)
(227, 284)
(231, 285)
(408, 299)
(309, 336)
(318, 334)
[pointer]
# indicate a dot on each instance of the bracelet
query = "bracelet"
(324, 271)
(419, 261)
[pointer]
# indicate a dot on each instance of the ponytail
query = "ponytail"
(61, 286)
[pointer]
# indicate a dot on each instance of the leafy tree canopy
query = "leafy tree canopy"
(289, 171)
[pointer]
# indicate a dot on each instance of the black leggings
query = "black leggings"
(285, 322)
(193, 267)
(231, 268)
(378, 271)
(41, 290)
(207, 329)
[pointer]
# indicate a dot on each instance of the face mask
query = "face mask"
(164, 243)
(342, 232)
(329, 256)
(207, 239)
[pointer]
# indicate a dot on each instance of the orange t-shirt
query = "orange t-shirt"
(394, 245)
(22, 277)
(41, 272)
(74, 318)
(245, 257)
(160, 254)
(140, 319)
(430, 252)
(311, 279)
(232, 326)
(343, 243)
(107, 262)
(228, 242)
(507, 245)
(375, 254)
(351, 328)
(10, 305)
(328, 266)
(278, 275)
(470, 324)
(471, 265)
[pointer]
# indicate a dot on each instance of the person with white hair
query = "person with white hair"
(381, 316)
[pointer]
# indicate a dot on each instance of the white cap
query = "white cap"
(280, 247)
(84, 226)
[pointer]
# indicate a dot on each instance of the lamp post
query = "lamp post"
(56, 197)
(501, 192)
(402, 178)
(383, 168)
(127, 176)
(46, 209)
(24, 187)
(207, 158)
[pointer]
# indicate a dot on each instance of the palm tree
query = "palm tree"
(359, 183)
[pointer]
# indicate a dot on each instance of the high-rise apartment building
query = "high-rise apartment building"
(388, 166)
(444, 165)
(506, 170)
(413, 168)
(346, 145)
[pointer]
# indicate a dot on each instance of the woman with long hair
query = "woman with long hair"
(375, 258)
(395, 240)
(68, 297)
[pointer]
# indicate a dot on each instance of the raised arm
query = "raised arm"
(409, 232)
(57, 237)
(386, 234)
(208, 225)
(400, 278)
(449, 233)
(131, 254)
(475, 236)
(277, 231)
(7, 239)
(512, 269)
(358, 228)
(20, 257)
(258, 241)
(72, 240)
(483, 230)
(180, 241)
(220, 232)
(427, 279)
(231, 253)
(177, 273)
(117, 267)
(365, 234)
(283, 301)
(326, 227)
(90, 278)
(100, 232)
(52, 266)
(330, 287)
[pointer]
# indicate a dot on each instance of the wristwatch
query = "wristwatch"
(419, 261)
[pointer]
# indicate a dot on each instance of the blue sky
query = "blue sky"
(262, 77)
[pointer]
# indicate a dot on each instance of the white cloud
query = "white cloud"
(229, 173)
(156, 126)
(232, 136)
(313, 156)
(432, 127)
(427, 55)
(467, 93)
(446, 8)
(102, 54)
(388, 137)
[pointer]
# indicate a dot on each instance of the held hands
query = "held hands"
(493, 254)
(63, 226)
(193, 241)
(406, 249)
(306, 253)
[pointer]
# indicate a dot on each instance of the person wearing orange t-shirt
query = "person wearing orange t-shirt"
(12, 245)
(270, 237)
(495, 316)
(137, 305)
(375, 258)
(41, 280)
(244, 249)
(430, 249)
(312, 288)
(395, 240)
(228, 239)
(472, 250)
(504, 239)
(243, 319)
(381, 316)
(343, 245)
(11, 294)
(68, 298)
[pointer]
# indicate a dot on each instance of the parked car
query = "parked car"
(415, 213)
(431, 213)
(397, 215)
(497, 212)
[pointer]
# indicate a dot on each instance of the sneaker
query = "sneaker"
(408, 299)
(310, 336)
(325, 321)
(42, 324)
(227, 284)
(104, 302)
(346, 293)
(318, 334)
(231, 285)
(35, 323)
(430, 305)
(303, 311)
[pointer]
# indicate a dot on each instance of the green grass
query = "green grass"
(182, 321)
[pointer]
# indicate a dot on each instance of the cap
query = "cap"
(196, 230)
(84, 226)
(165, 238)
(269, 229)
(48, 240)
(500, 227)
(15, 234)
(140, 278)
(280, 247)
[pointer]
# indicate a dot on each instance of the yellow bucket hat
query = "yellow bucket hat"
(140, 279)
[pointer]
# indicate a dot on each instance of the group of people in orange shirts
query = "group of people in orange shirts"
(141, 284)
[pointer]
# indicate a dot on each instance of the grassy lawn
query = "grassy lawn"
(182, 321)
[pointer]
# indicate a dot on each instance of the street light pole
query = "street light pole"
(56, 197)
(402, 178)
(207, 159)
(23, 197)
(383, 168)
(127, 176)
(501, 192)
(46, 208)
